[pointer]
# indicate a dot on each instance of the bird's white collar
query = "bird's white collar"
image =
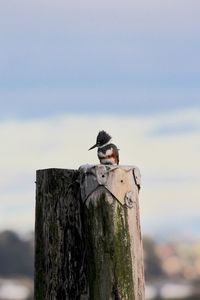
(105, 144)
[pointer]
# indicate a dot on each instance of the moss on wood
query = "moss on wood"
(108, 244)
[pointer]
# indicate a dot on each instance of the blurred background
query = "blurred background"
(71, 68)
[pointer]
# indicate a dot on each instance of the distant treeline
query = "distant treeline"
(16, 255)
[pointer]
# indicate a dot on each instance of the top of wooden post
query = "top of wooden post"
(123, 182)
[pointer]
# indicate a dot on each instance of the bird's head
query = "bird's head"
(102, 139)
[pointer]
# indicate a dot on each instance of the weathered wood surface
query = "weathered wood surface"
(88, 239)
(113, 236)
(59, 249)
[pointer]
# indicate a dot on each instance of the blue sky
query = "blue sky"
(71, 68)
(131, 57)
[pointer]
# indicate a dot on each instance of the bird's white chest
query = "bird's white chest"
(107, 153)
(106, 157)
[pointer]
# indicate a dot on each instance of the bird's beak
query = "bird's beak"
(93, 147)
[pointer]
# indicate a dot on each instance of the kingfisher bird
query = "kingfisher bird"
(107, 152)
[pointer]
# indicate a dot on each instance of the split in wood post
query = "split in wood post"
(88, 240)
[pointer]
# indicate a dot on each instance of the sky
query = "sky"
(71, 68)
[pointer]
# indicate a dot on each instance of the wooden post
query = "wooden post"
(88, 239)
(59, 249)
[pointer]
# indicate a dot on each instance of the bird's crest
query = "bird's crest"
(103, 137)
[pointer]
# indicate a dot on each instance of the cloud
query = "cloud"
(179, 129)
(187, 123)
(17, 210)
(170, 172)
